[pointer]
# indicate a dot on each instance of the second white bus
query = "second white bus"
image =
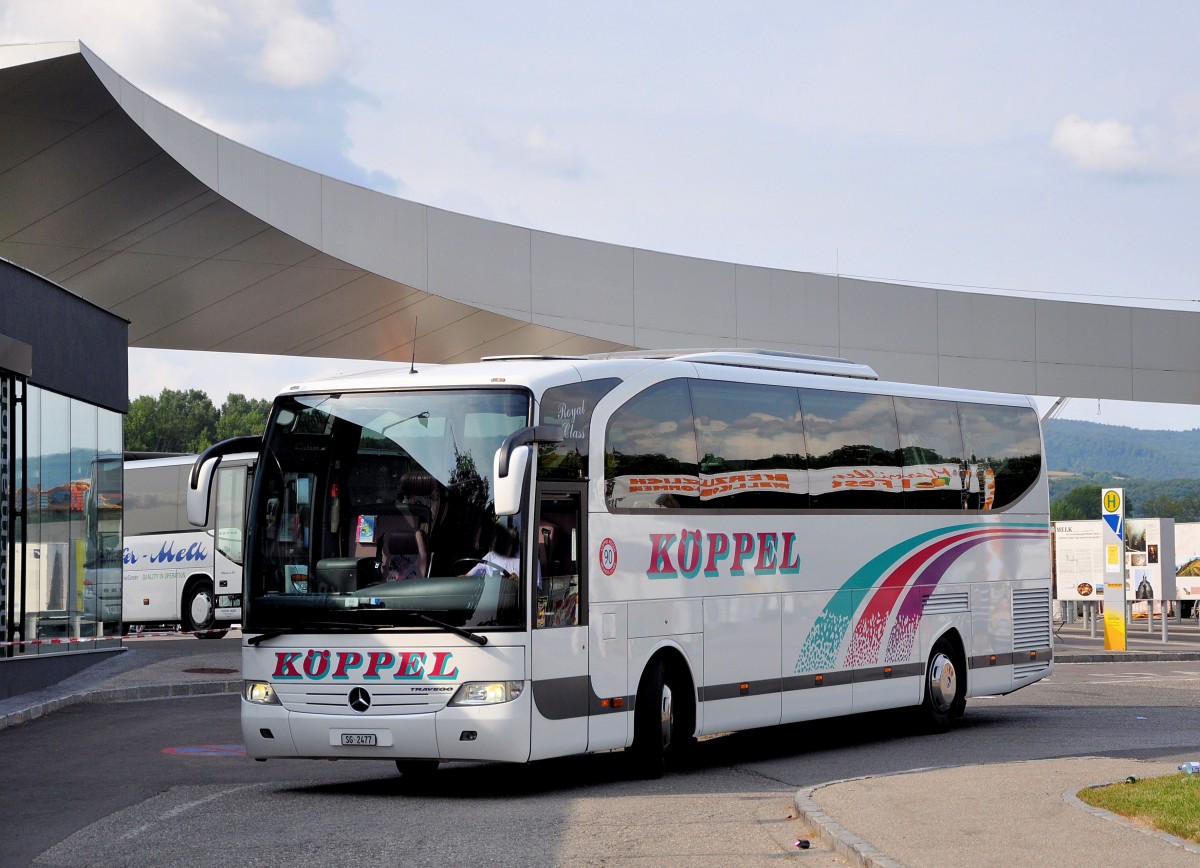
(534, 557)
(173, 573)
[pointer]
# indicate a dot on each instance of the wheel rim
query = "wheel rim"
(668, 715)
(943, 682)
(201, 608)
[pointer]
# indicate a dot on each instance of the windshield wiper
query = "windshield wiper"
(317, 625)
(458, 631)
(346, 627)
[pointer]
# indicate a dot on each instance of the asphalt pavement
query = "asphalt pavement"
(1022, 813)
(145, 669)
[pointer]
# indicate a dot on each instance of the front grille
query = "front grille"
(384, 700)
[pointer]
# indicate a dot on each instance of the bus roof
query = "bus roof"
(538, 372)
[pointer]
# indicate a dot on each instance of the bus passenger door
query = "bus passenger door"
(559, 664)
(228, 539)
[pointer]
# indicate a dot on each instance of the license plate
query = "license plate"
(358, 739)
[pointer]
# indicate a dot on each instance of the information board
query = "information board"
(1078, 560)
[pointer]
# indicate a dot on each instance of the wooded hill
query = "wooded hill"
(1087, 447)
(1159, 470)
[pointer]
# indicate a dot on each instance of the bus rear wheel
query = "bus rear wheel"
(945, 697)
(199, 612)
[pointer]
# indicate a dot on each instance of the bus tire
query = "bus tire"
(945, 690)
(659, 729)
(199, 612)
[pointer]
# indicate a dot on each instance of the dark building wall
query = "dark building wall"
(78, 349)
(25, 675)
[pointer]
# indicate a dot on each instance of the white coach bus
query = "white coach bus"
(172, 572)
(534, 557)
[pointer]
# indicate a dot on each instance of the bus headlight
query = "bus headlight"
(259, 692)
(487, 692)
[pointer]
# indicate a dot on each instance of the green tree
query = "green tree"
(140, 424)
(1163, 505)
(173, 422)
(1083, 503)
(187, 421)
(241, 416)
(1080, 503)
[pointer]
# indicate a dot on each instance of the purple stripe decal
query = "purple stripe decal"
(868, 635)
(903, 636)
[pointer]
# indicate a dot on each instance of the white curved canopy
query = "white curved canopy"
(205, 244)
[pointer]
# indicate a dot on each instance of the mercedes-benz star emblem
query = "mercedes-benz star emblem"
(360, 700)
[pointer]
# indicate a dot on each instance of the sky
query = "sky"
(1029, 148)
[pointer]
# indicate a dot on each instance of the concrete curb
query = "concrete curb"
(1125, 656)
(119, 694)
(836, 837)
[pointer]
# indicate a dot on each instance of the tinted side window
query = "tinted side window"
(152, 500)
(853, 450)
(751, 444)
(1003, 448)
(650, 451)
(932, 448)
(571, 407)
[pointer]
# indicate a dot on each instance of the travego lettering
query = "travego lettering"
(692, 552)
(316, 664)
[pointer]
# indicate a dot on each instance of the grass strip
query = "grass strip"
(1170, 804)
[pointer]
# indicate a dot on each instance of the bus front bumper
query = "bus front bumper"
(492, 733)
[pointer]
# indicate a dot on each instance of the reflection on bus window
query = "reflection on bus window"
(853, 450)
(935, 476)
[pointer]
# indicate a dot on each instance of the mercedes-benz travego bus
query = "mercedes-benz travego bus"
(539, 556)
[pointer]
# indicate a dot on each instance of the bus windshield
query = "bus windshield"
(376, 510)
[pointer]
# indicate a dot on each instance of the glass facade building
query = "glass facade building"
(62, 473)
(63, 392)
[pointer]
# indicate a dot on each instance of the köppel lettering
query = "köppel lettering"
(316, 664)
(674, 555)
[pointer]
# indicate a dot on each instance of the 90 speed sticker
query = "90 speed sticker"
(608, 556)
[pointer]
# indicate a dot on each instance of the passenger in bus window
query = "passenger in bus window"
(504, 554)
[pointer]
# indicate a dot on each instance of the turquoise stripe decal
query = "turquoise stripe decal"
(821, 647)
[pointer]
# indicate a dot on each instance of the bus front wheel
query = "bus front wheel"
(945, 697)
(199, 612)
(657, 717)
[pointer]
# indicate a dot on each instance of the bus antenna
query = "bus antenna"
(412, 368)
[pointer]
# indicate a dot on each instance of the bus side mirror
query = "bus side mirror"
(199, 487)
(511, 464)
(511, 488)
(201, 477)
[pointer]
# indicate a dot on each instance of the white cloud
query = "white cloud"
(299, 51)
(537, 152)
(149, 37)
(1115, 148)
(205, 48)
(1107, 146)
